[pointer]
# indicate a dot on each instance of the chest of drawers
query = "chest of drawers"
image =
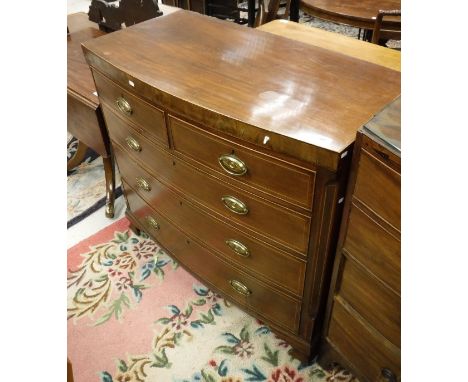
(363, 315)
(235, 159)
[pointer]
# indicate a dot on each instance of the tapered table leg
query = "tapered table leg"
(109, 172)
(69, 371)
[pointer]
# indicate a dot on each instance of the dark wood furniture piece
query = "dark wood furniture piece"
(225, 9)
(69, 371)
(269, 13)
(222, 9)
(111, 14)
(362, 330)
(335, 42)
(359, 14)
(380, 34)
(84, 115)
(199, 6)
(234, 159)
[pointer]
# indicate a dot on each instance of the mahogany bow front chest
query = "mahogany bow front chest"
(233, 147)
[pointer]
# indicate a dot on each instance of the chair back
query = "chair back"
(270, 13)
(389, 30)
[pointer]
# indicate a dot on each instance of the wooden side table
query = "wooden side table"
(84, 115)
(358, 14)
(335, 42)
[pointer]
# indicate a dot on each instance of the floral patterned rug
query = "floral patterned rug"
(86, 186)
(134, 315)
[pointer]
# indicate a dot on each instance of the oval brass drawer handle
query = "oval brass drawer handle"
(235, 205)
(133, 144)
(238, 247)
(152, 222)
(143, 184)
(240, 288)
(123, 106)
(232, 164)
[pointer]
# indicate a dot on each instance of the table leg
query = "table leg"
(367, 35)
(294, 11)
(109, 172)
(78, 157)
(251, 13)
(69, 371)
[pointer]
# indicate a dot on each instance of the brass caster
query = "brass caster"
(109, 210)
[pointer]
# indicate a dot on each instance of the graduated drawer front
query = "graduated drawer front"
(374, 247)
(378, 186)
(148, 117)
(367, 351)
(276, 307)
(268, 174)
(272, 265)
(371, 299)
(277, 223)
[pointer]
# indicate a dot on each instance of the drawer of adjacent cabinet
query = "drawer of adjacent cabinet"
(270, 175)
(378, 187)
(245, 211)
(374, 247)
(365, 349)
(251, 255)
(376, 303)
(237, 285)
(134, 109)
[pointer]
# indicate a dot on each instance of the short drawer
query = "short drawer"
(273, 266)
(273, 176)
(131, 137)
(378, 186)
(244, 289)
(276, 223)
(371, 299)
(367, 351)
(148, 117)
(374, 247)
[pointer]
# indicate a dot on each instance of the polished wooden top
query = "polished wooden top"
(349, 46)
(360, 13)
(79, 78)
(250, 84)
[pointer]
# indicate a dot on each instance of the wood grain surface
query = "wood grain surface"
(362, 324)
(249, 83)
(79, 77)
(278, 225)
(192, 254)
(271, 265)
(360, 13)
(335, 42)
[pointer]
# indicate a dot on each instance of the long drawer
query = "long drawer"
(237, 285)
(374, 247)
(148, 117)
(366, 350)
(273, 176)
(275, 222)
(381, 191)
(371, 299)
(270, 264)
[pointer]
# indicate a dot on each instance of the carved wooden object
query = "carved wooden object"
(110, 15)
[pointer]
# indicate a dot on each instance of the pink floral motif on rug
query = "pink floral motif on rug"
(135, 316)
